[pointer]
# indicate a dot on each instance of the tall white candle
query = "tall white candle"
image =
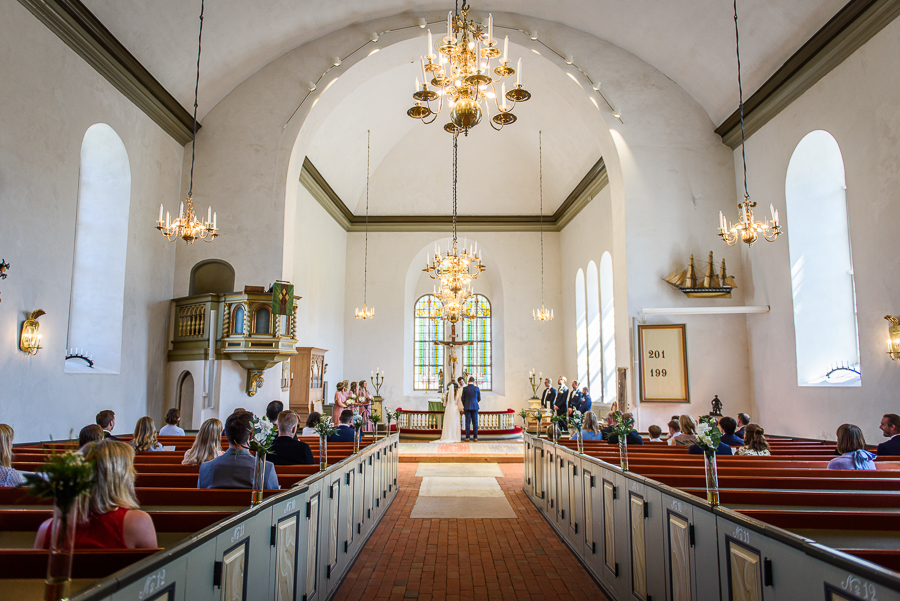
(167, 220)
(214, 221)
(209, 214)
(160, 213)
(417, 83)
(449, 28)
(181, 211)
(424, 77)
(519, 73)
(430, 45)
(490, 30)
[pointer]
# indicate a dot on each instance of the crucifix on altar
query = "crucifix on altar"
(450, 360)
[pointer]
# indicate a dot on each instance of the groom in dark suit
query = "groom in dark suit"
(471, 395)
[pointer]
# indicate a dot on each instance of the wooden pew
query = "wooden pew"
(87, 563)
(886, 558)
(198, 498)
(164, 521)
(813, 498)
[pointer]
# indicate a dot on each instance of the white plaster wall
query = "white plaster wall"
(49, 98)
(857, 104)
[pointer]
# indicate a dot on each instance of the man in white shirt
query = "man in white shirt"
(173, 416)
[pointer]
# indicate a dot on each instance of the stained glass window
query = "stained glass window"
(428, 357)
(476, 357)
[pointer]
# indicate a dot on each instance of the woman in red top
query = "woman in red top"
(108, 517)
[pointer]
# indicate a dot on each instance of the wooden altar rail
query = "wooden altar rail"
(434, 420)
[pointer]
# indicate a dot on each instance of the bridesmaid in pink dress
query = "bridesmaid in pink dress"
(365, 404)
(340, 403)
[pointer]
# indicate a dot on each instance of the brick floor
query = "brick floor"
(466, 560)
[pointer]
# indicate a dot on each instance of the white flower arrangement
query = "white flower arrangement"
(262, 434)
(708, 435)
(325, 427)
(357, 422)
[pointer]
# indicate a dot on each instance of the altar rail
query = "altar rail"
(643, 540)
(298, 544)
(432, 422)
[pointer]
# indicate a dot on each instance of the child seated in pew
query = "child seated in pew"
(234, 469)
(9, 477)
(686, 436)
(145, 436)
(90, 433)
(311, 421)
(591, 427)
(851, 445)
(173, 416)
(755, 442)
(655, 432)
(728, 425)
(674, 428)
(108, 517)
(207, 444)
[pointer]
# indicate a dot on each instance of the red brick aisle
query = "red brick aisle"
(466, 560)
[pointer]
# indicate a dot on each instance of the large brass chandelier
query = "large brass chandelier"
(453, 269)
(188, 226)
(746, 229)
(460, 77)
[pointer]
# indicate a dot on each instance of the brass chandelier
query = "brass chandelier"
(542, 314)
(453, 269)
(366, 312)
(460, 77)
(746, 229)
(187, 226)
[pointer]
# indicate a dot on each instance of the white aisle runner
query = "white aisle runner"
(461, 491)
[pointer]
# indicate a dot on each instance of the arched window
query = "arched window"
(212, 276)
(261, 320)
(595, 352)
(581, 349)
(428, 358)
(608, 328)
(237, 320)
(476, 357)
(97, 304)
(825, 326)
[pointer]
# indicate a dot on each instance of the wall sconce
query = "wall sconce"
(893, 337)
(30, 342)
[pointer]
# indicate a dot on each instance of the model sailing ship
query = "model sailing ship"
(713, 285)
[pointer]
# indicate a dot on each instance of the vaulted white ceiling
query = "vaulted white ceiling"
(691, 41)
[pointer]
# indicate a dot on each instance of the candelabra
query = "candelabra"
(535, 381)
(377, 380)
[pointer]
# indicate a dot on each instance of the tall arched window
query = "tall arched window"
(428, 358)
(476, 357)
(581, 348)
(825, 326)
(608, 328)
(97, 304)
(595, 351)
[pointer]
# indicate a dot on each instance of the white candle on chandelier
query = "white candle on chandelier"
(449, 28)
(430, 45)
(490, 39)
(506, 50)
(417, 83)
(424, 77)
(214, 221)
(519, 73)
(209, 215)
(167, 220)
(181, 211)
(160, 214)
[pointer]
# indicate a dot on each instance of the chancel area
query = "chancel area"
(449, 301)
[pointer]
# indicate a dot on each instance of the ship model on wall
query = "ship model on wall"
(711, 285)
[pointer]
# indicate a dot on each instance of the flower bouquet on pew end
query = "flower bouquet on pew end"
(262, 435)
(392, 416)
(357, 422)
(576, 421)
(540, 418)
(375, 419)
(324, 429)
(622, 428)
(708, 438)
(524, 415)
(555, 420)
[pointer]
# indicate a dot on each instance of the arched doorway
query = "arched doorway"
(185, 399)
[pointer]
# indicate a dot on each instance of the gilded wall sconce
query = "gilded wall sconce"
(893, 337)
(30, 342)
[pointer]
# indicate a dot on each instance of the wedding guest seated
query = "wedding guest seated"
(727, 425)
(234, 469)
(755, 442)
(9, 477)
(591, 427)
(109, 516)
(311, 421)
(631, 438)
(286, 449)
(207, 444)
(722, 449)
(90, 433)
(743, 420)
(839, 432)
(106, 419)
(655, 432)
(273, 410)
(686, 436)
(674, 428)
(145, 436)
(610, 422)
(851, 445)
(890, 427)
(345, 432)
(173, 416)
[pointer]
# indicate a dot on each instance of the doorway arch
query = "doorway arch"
(184, 399)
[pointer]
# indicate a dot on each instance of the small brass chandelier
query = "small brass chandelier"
(187, 226)
(461, 74)
(542, 314)
(366, 313)
(746, 229)
(453, 269)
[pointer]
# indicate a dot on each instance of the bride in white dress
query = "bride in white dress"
(452, 430)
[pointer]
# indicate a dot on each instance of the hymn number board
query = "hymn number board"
(664, 375)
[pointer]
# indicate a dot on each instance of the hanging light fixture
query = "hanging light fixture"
(366, 312)
(542, 314)
(746, 229)
(454, 270)
(187, 226)
(461, 74)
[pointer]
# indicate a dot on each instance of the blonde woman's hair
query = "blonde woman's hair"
(207, 444)
(591, 424)
(144, 435)
(6, 439)
(113, 479)
(850, 439)
(754, 438)
(688, 425)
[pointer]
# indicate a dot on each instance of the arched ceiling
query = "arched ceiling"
(691, 41)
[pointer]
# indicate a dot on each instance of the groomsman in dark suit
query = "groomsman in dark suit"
(585, 400)
(574, 398)
(562, 400)
(549, 395)
(471, 395)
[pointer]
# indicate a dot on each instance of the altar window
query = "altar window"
(428, 357)
(477, 357)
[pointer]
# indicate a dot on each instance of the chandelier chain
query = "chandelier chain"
(541, 187)
(737, 42)
(366, 261)
(196, 90)
(455, 136)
